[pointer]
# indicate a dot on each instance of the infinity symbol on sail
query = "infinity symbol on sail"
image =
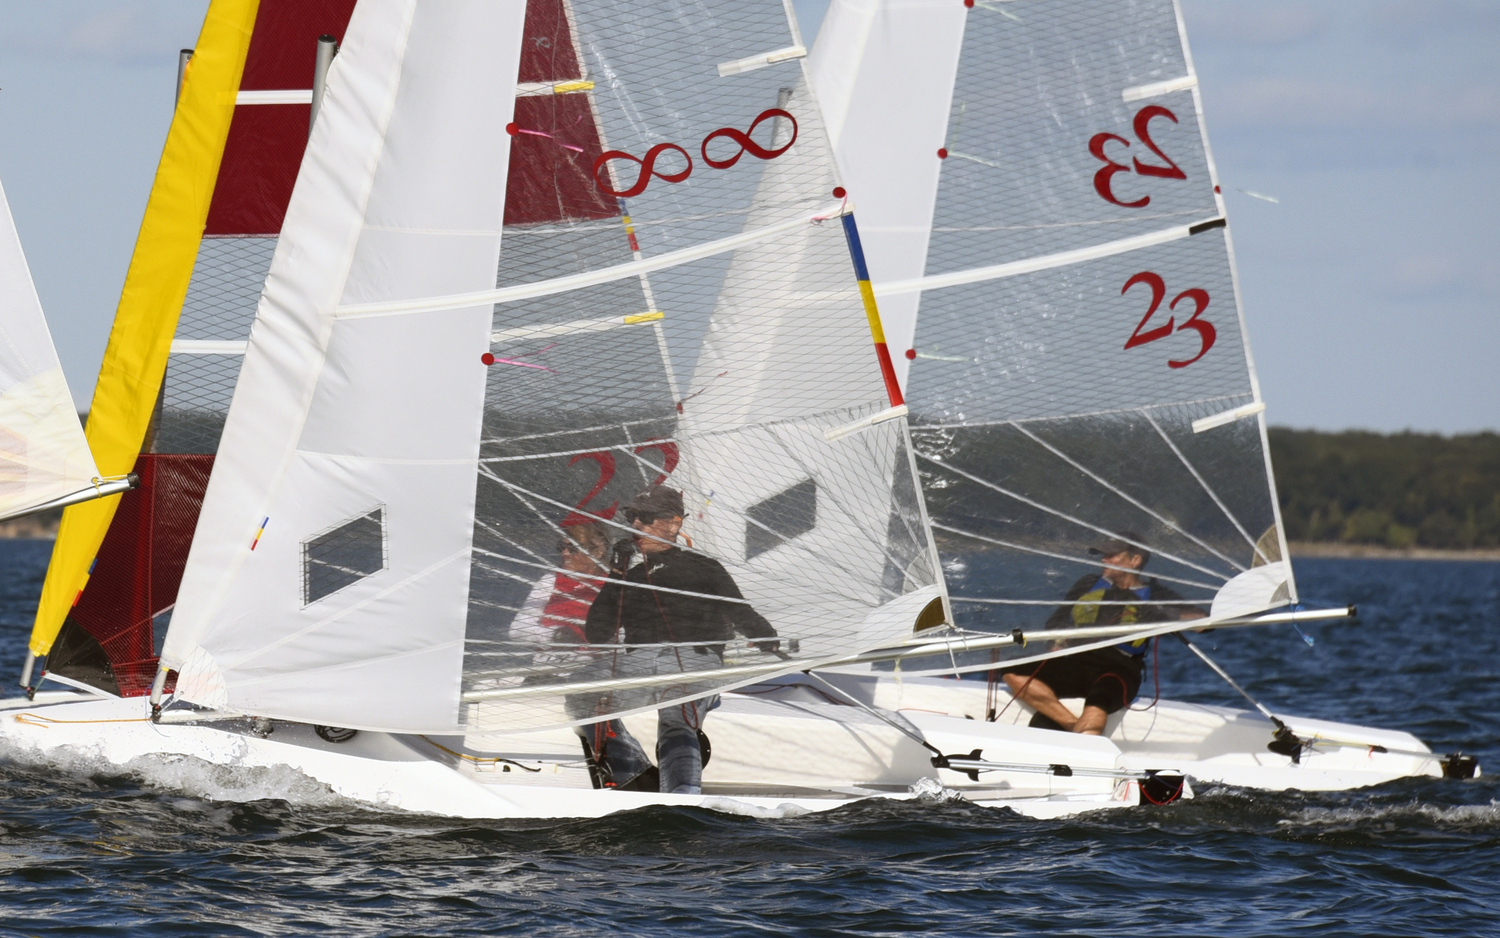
(648, 165)
(746, 144)
(648, 169)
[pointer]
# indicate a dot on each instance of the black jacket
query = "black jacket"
(648, 616)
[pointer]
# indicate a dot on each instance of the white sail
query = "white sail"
(1079, 371)
(44, 459)
(345, 471)
(411, 435)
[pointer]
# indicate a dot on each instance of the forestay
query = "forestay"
(1042, 188)
(414, 438)
(43, 456)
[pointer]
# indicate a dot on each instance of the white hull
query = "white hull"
(1206, 744)
(769, 759)
(777, 750)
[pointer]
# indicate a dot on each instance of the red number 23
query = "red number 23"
(1207, 334)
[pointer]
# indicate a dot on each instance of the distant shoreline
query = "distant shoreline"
(1381, 552)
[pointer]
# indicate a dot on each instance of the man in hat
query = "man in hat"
(679, 608)
(1106, 678)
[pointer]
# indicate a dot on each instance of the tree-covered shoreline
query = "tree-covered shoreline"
(1399, 490)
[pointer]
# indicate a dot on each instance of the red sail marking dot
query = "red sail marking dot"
(487, 358)
(838, 192)
(512, 128)
(1217, 190)
(911, 353)
(969, 4)
(942, 153)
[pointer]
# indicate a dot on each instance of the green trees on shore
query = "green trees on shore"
(1399, 490)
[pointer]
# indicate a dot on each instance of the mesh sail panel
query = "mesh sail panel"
(1106, 395)
(716, 376)
(125, 608)
(1041, 86)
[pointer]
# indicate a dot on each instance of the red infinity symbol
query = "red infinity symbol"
(648, 169)
(648, 165)
(746, 144)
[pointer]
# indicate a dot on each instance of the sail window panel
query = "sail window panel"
(778, 519)
(1052, 343)
(195, 402)
(343, 555)
(1037, 82)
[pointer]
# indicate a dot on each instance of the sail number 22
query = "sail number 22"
(1143, 336)
(1104, 178)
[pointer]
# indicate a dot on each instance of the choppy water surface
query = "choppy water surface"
(159, 851)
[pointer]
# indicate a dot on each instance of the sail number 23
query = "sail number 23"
(1158, 287)
(1104, 178)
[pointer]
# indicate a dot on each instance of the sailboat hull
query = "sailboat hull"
(817, 763)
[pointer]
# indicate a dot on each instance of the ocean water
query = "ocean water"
(185, 849)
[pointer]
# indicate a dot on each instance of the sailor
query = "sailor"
(674, 610)
(1106, 678)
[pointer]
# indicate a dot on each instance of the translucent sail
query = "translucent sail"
(241, 125)
(1079, 372)
(417, 436)
(43, 456)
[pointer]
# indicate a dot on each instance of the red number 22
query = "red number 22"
(1207, 334)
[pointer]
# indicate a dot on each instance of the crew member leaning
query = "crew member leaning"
(677, 608)
(1106, 678)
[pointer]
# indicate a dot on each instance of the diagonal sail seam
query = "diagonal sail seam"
(527, 291)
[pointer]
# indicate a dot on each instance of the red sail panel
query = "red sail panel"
(265, 144)
(557, 137)
(552, 162)
(139, 568)
(547, 50)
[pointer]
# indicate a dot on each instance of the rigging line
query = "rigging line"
(1206, 488)
(517, 491)
(604, 579)
(1035, 264)
(1041, 656)
(1067, 557)
(1067, 517)
(1283, 742)
(591, 278)
(1089, 602)
(936, 425)
(876, 540)
(1121, 492)
(1129, 220)
(816, 420)
(506, 441)
(623, 447)
(908, 731)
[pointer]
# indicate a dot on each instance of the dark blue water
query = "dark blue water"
(85, 851)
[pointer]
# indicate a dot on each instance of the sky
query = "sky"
(1371, 284)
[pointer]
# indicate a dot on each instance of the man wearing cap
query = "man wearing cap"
(1106, 678)
(679, 607)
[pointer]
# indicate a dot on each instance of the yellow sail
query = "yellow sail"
(161, 267)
